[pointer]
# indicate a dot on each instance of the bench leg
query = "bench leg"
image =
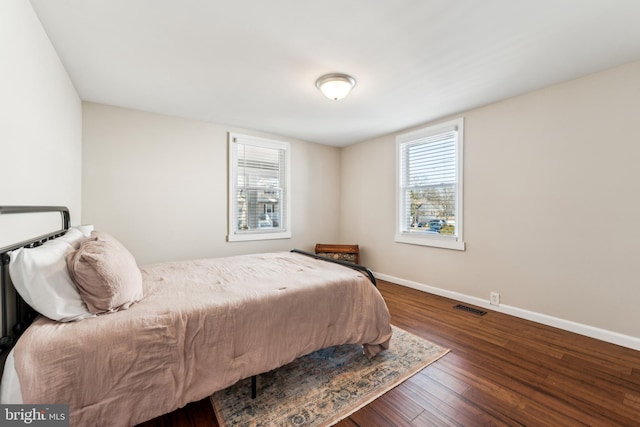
(254, 387)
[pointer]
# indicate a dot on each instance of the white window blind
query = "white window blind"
(258, 188)
(430, 186)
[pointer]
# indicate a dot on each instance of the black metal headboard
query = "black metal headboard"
(23, 313)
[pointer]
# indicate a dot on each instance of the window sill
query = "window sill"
(433, 241)
(246, 237)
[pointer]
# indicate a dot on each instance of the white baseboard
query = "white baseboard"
(567, 325)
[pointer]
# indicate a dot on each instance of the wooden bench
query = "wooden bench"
(349, 253)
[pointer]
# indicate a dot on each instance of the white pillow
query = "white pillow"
(75, 235)
(41, 277)
(86, 229)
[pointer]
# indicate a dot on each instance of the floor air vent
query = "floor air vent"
(470, 309)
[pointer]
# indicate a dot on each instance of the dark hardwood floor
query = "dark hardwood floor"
(501, 371)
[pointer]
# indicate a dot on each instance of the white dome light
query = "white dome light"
(336, 85)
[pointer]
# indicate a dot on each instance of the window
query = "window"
(429, 189)
(258, 189)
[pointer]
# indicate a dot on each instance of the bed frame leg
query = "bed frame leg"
(254, 387)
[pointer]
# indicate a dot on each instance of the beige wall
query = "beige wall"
(40, 123)
(159, 184)
(552, 201)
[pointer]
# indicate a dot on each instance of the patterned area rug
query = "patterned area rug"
(324, 387)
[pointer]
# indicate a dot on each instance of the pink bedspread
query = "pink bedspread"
(202, 326)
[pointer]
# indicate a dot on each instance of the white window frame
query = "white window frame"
(427, 239)
(236, 235)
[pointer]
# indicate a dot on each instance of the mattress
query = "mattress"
(202, 326)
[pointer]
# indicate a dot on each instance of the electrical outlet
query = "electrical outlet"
(494, 298)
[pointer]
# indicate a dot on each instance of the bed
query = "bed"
(199, 326)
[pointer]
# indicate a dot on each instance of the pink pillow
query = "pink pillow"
(106, 274)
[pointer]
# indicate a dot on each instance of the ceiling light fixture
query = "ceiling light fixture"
(336, 85)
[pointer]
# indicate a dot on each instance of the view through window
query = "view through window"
(258, 188)
(430, 186)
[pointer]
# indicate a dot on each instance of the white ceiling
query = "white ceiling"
(253, 63)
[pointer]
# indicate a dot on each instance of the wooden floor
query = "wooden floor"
(501, 371)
